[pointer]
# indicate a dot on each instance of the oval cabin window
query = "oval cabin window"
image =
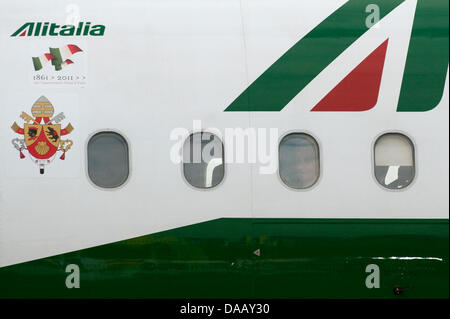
(299, 165)
(203, 160)
(108, 160)
(394, 161)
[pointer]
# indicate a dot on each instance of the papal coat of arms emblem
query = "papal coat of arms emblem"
(42, 134)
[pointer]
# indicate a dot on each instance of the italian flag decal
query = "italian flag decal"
(39, 62)
(58, 56)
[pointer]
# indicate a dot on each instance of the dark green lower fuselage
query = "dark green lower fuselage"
(299, 258)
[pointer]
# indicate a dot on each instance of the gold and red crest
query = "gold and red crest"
(42, 141)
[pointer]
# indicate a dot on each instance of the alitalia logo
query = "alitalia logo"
(41, 29)
(423, 78)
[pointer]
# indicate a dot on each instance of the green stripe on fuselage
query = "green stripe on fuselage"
(300, 258)
(427, 61)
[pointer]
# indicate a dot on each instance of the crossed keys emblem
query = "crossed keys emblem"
(42, 141)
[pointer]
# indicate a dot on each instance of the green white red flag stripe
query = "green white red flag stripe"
(67, 51)
(62, 54)
(66, 63)
(39, 62)
(58, 56)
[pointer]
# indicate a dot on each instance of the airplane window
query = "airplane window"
(108, 163)
(203, 160)
(299, 165)
(394, 161)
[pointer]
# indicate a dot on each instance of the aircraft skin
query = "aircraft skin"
(159, 65)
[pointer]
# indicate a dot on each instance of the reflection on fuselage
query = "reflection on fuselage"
(200, 151)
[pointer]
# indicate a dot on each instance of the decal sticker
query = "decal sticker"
(58, 56)
(58, 64)
(42, 134)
